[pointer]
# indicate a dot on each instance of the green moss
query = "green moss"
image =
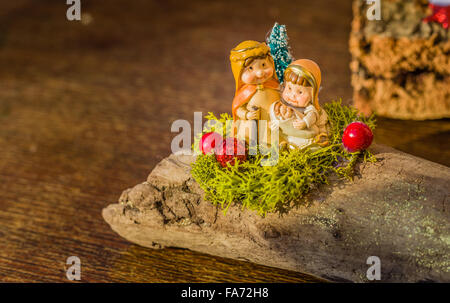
(279, 187)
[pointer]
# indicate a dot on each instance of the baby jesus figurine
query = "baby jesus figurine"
(298, 115)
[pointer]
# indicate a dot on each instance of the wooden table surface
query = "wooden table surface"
(86, 109)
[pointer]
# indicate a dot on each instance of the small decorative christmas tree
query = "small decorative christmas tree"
(279, 48)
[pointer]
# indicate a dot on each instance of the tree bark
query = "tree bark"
(396, 209)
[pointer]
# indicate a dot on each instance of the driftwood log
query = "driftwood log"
(396, 209)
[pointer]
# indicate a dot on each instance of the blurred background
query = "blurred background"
(86, 108)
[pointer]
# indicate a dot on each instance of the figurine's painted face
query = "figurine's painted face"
(297, 95)
(257, 72)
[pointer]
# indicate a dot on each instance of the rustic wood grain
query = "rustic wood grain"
(86, 109)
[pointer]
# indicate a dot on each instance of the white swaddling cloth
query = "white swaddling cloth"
(301, 138)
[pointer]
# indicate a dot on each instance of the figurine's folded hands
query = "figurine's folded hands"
(252, 115)
(299, 124)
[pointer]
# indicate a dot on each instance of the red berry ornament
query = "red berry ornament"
(357, 136)
(230, 151)
(209, 141)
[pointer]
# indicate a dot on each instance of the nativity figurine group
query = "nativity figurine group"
(263, 106)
